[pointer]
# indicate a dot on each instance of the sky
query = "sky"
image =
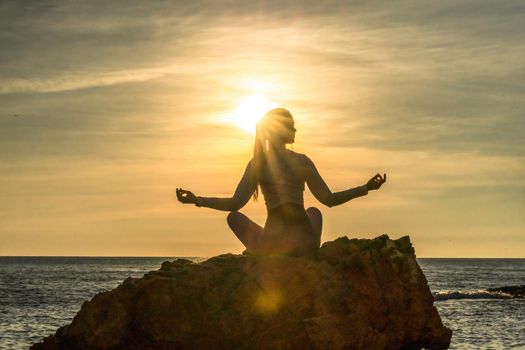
(107, 107)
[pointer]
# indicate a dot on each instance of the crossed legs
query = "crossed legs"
(245, 229)
(249, 232)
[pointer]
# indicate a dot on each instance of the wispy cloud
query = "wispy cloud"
(73, 82)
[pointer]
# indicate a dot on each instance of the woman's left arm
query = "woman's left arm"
(242, 195)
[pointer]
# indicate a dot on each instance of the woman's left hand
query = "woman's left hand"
(375, 182)
(186, 197)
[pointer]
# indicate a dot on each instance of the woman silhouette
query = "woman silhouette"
(281, 175)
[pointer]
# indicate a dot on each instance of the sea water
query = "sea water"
(479, 319)
(40, 294)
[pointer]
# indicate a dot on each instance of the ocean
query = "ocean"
(40, 294)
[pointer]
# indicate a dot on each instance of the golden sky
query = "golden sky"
(106, 108)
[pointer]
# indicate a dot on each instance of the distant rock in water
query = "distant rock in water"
(349, 294)
(508, 292)
(474, 294)
(513, 291)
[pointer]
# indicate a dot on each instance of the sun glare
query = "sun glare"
(250, 110)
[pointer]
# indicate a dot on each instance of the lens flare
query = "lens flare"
(268, 301)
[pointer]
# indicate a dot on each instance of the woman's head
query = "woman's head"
(277, 126)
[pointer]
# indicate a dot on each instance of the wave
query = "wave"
(506, 292)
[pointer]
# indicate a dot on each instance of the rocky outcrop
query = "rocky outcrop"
(349, 294)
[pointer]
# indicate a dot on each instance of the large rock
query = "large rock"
(349, 294)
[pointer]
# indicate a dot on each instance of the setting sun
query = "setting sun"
(249, 111)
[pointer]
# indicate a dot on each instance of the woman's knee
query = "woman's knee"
(313, 211)
(316, 219)
(233, 218)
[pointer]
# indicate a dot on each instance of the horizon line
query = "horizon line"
(207, 257)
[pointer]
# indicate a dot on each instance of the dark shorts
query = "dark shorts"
(292, 214)
(288, 230)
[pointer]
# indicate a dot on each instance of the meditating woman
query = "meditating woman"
(281, 175)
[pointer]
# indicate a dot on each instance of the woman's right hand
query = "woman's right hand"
(186, 197)
(375, 182)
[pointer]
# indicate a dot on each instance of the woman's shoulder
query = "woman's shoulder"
(295, 157)
(251, 163)
(297, 154)
(300, 157)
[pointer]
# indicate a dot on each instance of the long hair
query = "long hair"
(263, 132)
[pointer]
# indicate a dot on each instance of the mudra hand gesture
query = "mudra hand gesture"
(375, 182)
(186, 197)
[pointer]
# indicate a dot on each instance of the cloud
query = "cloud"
(73, 82)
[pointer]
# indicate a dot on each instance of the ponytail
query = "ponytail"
(259, 157)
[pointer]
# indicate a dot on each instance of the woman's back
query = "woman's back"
(282, 178)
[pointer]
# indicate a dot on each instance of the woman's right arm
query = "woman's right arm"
(243, 192)
(320, 189)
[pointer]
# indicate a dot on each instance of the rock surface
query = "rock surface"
(349, 294)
